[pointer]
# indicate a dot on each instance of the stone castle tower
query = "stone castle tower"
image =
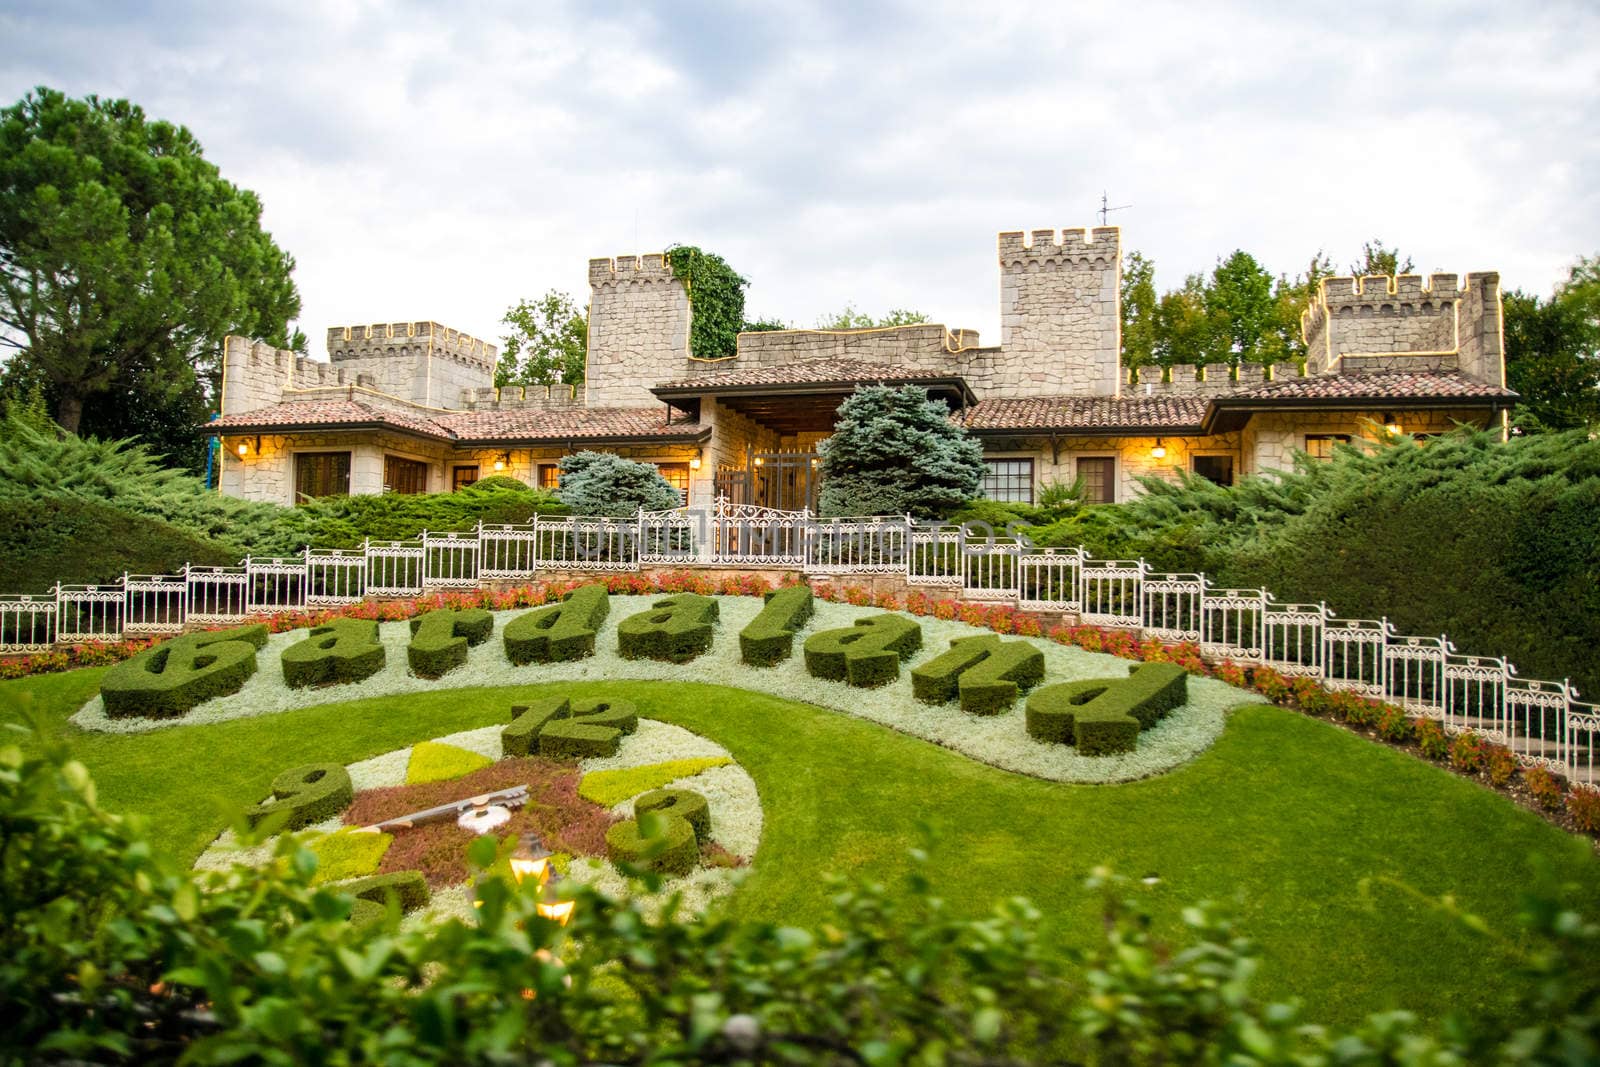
(1060, 306)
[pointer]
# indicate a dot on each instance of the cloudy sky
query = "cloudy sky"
(443, 160)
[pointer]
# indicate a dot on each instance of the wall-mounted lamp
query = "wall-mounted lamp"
(1160, 451)
(694, 462)
(244, 447)
(758, 461)
(502, 460)
(1390, 426)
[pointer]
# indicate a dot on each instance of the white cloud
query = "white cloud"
(426, 162)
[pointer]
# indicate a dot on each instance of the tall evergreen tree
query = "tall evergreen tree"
(896, 452)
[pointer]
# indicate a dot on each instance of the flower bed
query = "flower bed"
(573, 827)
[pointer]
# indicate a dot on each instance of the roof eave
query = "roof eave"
(687, 392)
(1171, 430)
(699, 436)
(211, 429)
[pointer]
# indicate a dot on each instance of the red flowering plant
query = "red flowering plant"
(1501, 764)
(1544, 786)
(1431, 740)
(1270, 684)
(1469, 752)
(944, 609)
(917, 602)
(1583, 804)
(1029, 625)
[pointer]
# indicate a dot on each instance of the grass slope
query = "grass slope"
(1284, 817)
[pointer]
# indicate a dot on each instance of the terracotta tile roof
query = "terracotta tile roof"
(306, 414)
(575, 423)
(808, 372)
(1087, 413)
(1398, 385)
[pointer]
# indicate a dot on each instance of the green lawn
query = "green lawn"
(1284, 818)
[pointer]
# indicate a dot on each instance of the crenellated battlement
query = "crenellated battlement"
(384, 339)
(522, 398)
(1355, 320)
(1211, 379)
(1074, 245)
(648, 269)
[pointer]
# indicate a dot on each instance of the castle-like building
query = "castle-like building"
(411, 406)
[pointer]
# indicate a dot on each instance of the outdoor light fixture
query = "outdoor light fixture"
(501, 460)
(758, 461)
(1160, 451)
(243, 448)
(532, 860)
(694, 462)
(1390, 426)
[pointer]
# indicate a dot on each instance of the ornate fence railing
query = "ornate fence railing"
(1543, 722)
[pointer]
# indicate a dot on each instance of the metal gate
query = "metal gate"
(783, 481)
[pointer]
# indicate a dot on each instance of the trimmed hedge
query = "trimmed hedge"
(307, 794)
(408, 888)
(866, 654)
(673, 849)
(987, 673)
(573, 739)
(610, 787)
(528, 721)
(560, 632)
(769, 637)
(345, 650)
(592, 728)
(439, 639)
(1104, 715)
(676, 629)
(684, 804)
(169, 679)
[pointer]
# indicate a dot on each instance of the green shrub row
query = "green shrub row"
(439, 639)
(170, 678)
(867, 654)
(305, 795)
(560, 632)
(675, 629)
(664, 834)
(1104, 715)
(344, 650)
(987, 673)
(768, 639)
(560, 729)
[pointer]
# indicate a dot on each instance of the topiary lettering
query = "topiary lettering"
(560, 632)
(768, 639)
(1102, 716)
(345, 650)
(439, 639)
(988, 674)
(866, 654)
(171, 678)
(304, 795)
(676, 629)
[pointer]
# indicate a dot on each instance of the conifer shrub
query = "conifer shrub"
(169, 679)
(528, 721)
(896, 452)
(344, 650)
(1102, 716)
(684, 804)
(603, 483)
(440, 639)
(867, 654)
(676, 629)
(768, 639)
(305, 795)
(559, 632)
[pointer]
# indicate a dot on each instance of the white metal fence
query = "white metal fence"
(1543, 722)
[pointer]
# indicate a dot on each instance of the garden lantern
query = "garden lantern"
(1160, 451)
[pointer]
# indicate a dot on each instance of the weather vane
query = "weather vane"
(1106, 209)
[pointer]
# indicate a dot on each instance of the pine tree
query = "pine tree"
(896, 452)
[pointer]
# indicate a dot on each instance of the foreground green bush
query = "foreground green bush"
(168, 679)
(111, 954)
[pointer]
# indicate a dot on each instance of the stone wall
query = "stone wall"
(422, 362)
(638, 329)
(1212, 379)
(1397, 314)
(1060, 325)
(1272, 438)
(519, 398)
(1481, 329)
(267, 474)
(1134, 455)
